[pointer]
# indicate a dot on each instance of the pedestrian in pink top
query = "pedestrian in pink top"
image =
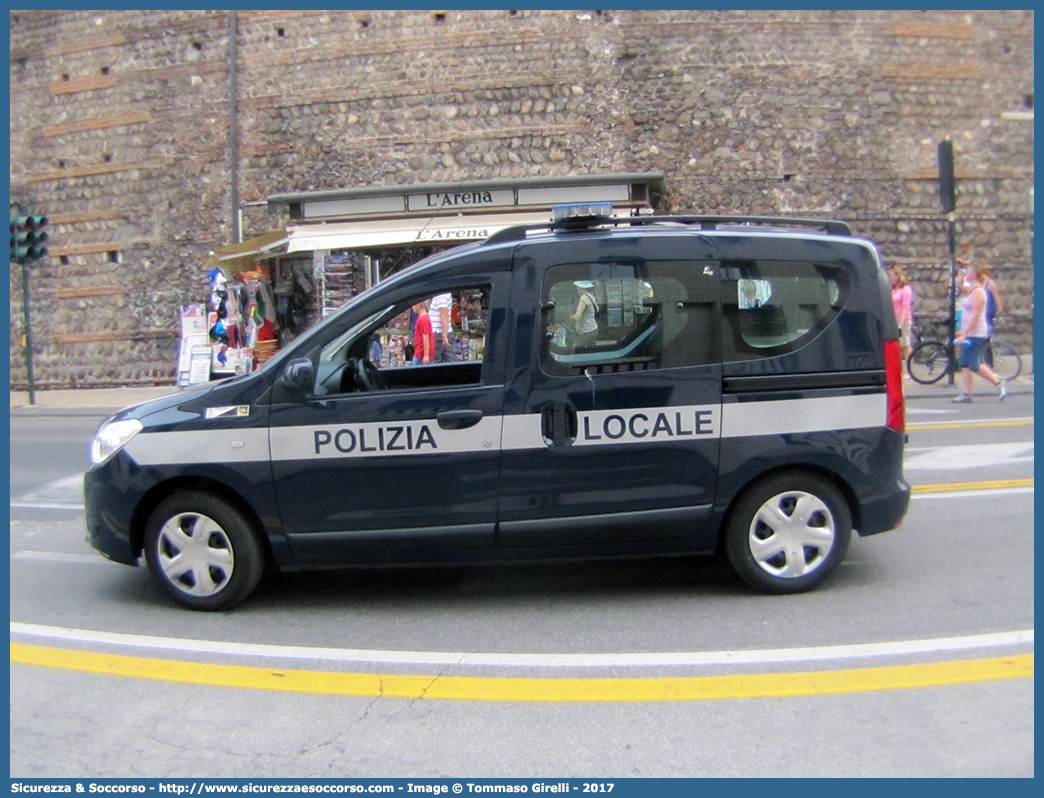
(902, 301)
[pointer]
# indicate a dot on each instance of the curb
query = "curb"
(86, 401)
(36, 411)
(952, 390)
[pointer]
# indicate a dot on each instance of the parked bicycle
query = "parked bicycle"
(921, 331)
(930, 361)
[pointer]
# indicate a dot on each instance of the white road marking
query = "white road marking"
(62, 494)
(970, 493)
(979, 455)
(1000, 422)
(60, 556)
(28, 506)
(784, 655)
(57, 490)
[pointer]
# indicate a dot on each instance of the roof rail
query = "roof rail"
(830, 226)
(518, 232)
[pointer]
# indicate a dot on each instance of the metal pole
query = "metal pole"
(951, 236)
(28, 334)
(233, 124)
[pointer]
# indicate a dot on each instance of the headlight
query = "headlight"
(112, 437)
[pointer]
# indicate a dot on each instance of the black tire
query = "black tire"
(928, 362)
(203, 551)
(1006, 361)
(788, 533)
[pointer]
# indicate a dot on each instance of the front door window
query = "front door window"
(396, 347)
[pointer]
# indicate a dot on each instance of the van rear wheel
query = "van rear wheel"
(788, 533)
(203, 551)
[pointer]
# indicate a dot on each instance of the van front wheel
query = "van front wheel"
(203, 551)
(788, 533)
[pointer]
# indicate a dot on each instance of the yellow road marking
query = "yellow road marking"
(693, 688)
(995, 484)
(1018, 422)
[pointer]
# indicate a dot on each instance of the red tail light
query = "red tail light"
(894, 385)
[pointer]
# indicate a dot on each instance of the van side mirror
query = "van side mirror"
(299, 377)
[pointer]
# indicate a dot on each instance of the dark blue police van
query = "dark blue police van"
(619, 386)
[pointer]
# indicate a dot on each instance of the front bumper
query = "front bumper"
(109, 518)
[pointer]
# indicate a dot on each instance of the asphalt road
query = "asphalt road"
(959, 570)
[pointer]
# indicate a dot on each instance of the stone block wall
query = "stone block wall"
(120, 134)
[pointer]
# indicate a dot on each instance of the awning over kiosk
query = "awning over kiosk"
(430, 230)
(449, 213)
(253, 246)
(244, 255)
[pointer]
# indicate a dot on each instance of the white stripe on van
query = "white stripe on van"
(417, 436)
(820, 414)
(511, 433)
(648, 425)
(233, 445)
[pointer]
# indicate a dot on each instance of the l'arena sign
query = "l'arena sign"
(453, 234)
(479, 196)
(459, 200)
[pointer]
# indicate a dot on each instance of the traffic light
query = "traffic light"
(27, 238)
(947, 195)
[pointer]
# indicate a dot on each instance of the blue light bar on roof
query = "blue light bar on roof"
(580, 211)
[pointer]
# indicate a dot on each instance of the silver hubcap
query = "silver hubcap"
(791, 534)
(195, 554)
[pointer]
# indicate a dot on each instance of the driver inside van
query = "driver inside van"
(749, 294)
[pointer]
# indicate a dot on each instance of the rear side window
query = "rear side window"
(773, 307)
(602, 318)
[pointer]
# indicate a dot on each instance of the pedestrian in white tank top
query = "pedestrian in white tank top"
(974, 336)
